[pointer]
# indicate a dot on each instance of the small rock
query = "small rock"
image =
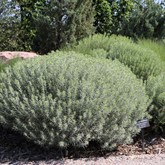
(7, 55)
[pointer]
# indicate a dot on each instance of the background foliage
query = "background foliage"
(136, 19)
(11, 31)
(147, 20)
(157, 46)
(42, 26)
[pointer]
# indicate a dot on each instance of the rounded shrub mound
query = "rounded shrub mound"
(98, 45)
(155, 88)
(66, 100)
(157, 46)
(142, 62)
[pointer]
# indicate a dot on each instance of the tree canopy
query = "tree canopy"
(133, 18)
(46, 25)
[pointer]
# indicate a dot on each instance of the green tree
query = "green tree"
(110, 15)
(103, 17)
(10, 32)
(121, 10)
(147, 20)
(51, 24)
(29, 11)
(139, 18)
(44, 25)
(67, 22)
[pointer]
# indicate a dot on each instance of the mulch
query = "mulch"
(15, 149)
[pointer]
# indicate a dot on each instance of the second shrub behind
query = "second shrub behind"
(143, 62)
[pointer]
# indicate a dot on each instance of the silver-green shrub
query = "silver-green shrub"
(155, 88)
(94, 44)
(65, 99)
(142, 62)
(157, 46)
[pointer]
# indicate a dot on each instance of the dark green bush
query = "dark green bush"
(143, 62)
(65, 100)
(156, 90)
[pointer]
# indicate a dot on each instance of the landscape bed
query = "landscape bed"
(15, 149)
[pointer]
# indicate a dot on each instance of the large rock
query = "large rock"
(7, 55)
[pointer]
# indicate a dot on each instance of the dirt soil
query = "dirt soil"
(15, 150)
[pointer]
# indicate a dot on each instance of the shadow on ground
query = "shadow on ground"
(16, 150)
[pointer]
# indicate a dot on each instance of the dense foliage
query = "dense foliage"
(11, 32)
(147, 20)
(65, 99)
(156, 90)
(44, 25)
(143, 62)
(63, 23)
(110, 15)
(12, 62)
(70, 99)
(103, 17)
(90, 45)
(139, 18)
(157, 46)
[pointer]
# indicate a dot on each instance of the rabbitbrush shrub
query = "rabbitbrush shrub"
(98, 45)
(157, 46)
(156, 90)
(143, 62)
(65, 99)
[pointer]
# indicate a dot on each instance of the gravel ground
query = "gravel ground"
(158, 159)
(119, 160)
(15, 150)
